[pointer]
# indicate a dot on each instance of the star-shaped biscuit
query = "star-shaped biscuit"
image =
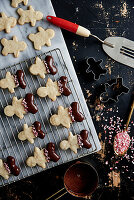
(6, 23)
(16, 108)
(29, 16)
(13, 46)
(27, 134)
(62, 118)
(51, 90)
(3, 172)
(39, 68)
(15, 3)
(38, 158)
(8, 82)
(71, 143)
(43, 37)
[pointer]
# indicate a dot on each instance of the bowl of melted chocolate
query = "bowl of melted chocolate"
(81, 180)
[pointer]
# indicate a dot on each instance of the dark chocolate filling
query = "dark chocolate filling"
(50, 64)
(14, 169)
(20, 77)
(83, 139)
(31, 107)
(62, 83)
(76, 113)
(37, 130)
(51, 154)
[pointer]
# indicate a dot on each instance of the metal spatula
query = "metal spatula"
(118, 48)
(123, 50)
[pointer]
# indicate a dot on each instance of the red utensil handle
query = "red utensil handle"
(69, 26)
(62, 23)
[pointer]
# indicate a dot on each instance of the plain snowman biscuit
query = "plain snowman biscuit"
(29, 16)
(6, 23)
(43, 37)
(15, 3)
(13, 46)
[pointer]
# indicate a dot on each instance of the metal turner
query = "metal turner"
(123, 50)
(118, 48)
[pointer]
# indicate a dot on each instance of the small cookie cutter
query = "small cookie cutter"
(92, 69)
(95, 68)
(113, 90)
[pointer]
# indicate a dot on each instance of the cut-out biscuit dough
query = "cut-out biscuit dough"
(51, 90)
(21, 107)
(6, 23)
(43, 37)
(30, 133)
(38, 68)
(71, 143)
(13, 81)
(15, 3)
(8, 82)
(55, 89)
(67, 116)
(13, 46)
(27, 134)
(62, 118)
(29, 16)
(75, 142)
(38, 158)
(17, 108)
(43, 156)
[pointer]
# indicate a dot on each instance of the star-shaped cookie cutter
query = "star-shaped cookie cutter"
(113, 91)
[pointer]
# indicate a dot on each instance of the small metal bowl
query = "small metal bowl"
(81, 180)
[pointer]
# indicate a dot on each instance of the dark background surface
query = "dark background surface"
(103, 18)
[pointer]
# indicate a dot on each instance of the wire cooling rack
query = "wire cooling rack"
(11, 126)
